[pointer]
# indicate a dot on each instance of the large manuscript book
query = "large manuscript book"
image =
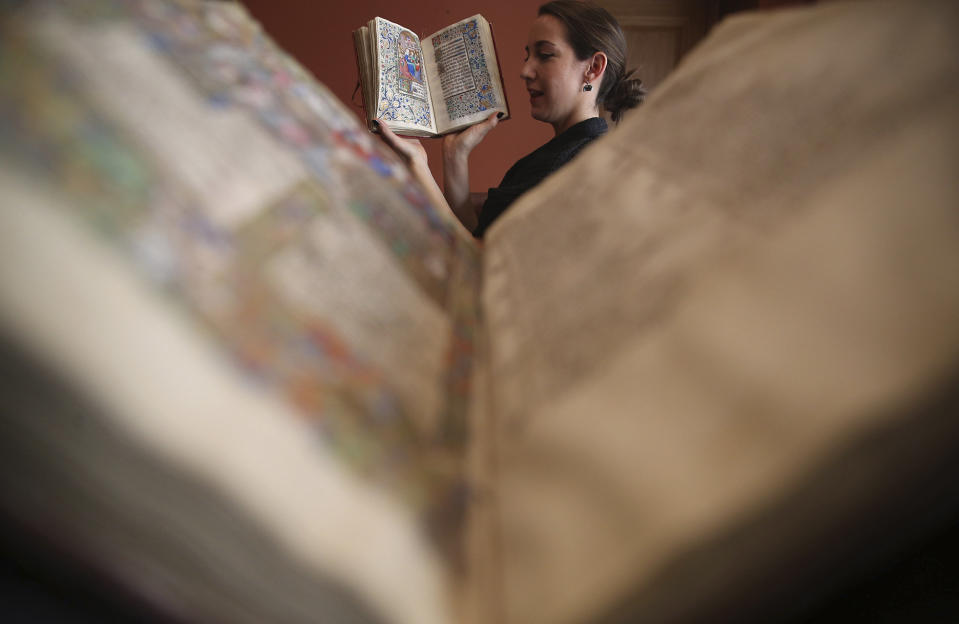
(250, 374)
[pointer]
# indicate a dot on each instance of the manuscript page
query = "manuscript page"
(251, 286)
(683, 330)
(464, 74)
(403, 100)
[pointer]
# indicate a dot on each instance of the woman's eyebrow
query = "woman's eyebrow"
(539, 44)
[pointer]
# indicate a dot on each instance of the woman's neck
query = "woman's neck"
(578, 116)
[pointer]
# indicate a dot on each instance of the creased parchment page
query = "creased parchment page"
(714, 303)
(464, 74)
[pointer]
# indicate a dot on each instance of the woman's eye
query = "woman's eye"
(540, 56)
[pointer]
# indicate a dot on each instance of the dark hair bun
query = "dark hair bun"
(627, 93)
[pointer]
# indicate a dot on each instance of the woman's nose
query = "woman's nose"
(526, 73)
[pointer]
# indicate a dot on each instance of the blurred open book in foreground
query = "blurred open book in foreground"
(250, 374)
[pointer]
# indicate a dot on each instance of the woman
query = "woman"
(575, 61)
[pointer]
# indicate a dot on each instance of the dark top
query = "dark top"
(532, 169)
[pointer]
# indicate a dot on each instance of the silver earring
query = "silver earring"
(587, 86)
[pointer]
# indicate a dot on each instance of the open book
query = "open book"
(449, 82)
(250, 374)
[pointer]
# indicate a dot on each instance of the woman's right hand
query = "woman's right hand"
(409, 149)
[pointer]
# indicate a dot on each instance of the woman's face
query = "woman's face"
(554, 76)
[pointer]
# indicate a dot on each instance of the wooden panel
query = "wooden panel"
(653, 52)
(658, 33)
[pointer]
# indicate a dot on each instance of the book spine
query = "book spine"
(357, 42)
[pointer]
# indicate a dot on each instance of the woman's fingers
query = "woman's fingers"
(410, 150)
(389, 136)
(478, 132)
(482, 129)
(463, 142)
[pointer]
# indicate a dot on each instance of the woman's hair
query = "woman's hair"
(591, 29)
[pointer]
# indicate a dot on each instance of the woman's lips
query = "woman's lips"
(533, 94)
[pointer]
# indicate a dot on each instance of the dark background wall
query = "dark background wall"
(318, 34)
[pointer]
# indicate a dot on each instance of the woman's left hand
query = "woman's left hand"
(460, 144)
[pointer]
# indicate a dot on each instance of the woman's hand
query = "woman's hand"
(456, 150)
(414, 154)
(456, 176)
(410, 150)
(460, 144)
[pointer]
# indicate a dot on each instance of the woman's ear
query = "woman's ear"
(597, 65)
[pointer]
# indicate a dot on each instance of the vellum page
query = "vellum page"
(683, 330)
(466, 84)
(185, 409)
(205, 242)
(404, 100)
(326, 270)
